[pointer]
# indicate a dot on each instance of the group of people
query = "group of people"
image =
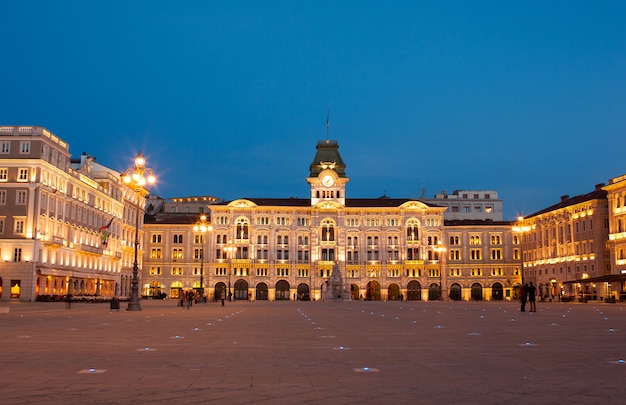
(528, 293)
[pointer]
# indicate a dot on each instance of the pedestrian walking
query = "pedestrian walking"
(523, 295)
(532, 292)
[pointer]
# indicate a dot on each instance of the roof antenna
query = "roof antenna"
(327, 124)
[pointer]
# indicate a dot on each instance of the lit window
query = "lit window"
(22, 175)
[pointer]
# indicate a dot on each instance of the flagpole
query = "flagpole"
(327, 123)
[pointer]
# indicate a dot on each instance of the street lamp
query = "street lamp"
(230, 250)
(441, 252)
(521, 229)
(202, 226)
(137, 178)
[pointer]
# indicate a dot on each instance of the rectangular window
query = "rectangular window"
(19, 226)
(25, 147)
(2, 226)
(3, 197)
(4, 174)
(17, 255)
(155, 253)
(6, 147)
(22, 175)
(20, 197)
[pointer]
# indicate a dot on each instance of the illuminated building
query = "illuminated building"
(469, 204)
(565, 248)
(327, 246)
(66, 225)
(616, 196)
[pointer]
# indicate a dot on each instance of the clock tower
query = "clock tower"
(328, 178)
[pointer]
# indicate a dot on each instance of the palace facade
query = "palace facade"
(328, 246)
(67, 226)
(565, 248)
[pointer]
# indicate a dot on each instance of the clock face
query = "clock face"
(328, 180)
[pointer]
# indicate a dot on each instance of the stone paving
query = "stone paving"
(313, 352)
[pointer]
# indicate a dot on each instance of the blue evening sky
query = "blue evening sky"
(229, 98)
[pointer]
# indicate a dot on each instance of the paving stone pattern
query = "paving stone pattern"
(313, 353)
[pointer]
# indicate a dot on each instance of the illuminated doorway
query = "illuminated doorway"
(455, 292)
(434, 292)
(393, 292)
(220, 292)
(354, 292)
(261, 292)
(241, 290)
(282, 290)
(16, 288)
(477, 292)
(372, 292)
(176, 290)
(414, 291)
(497, 292)
(303, 292)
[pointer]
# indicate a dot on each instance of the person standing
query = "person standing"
(523, 296)
(532, 292)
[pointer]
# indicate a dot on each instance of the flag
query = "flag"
(105, 233)
(107, 226)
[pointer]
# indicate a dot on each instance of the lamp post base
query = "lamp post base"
(134, 306)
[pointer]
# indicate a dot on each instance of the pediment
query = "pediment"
(241, 203)
(328, 205)
(414, 205)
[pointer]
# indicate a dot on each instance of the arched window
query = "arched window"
(412, 230)
(328, 231)
(242, 229)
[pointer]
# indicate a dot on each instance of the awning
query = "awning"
(608, 278)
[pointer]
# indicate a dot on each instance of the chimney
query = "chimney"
(564, 198)
(599, 186)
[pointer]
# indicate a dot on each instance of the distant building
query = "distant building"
(328, 246)
(66, 225)
(483, 260)
(566, 244)
(181, 205)
(616, 195)
(469, 204)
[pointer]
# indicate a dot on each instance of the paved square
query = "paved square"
(313, 352)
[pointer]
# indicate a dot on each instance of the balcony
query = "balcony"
(53, 241)
(91, 249)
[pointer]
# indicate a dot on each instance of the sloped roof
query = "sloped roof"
(597, 194)
(381, 202)
(476, 222)
(327, 151)
(172, 218)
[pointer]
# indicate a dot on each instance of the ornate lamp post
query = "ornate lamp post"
(441, 252)
(137, 178)
(202, 226)
(230, 249)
